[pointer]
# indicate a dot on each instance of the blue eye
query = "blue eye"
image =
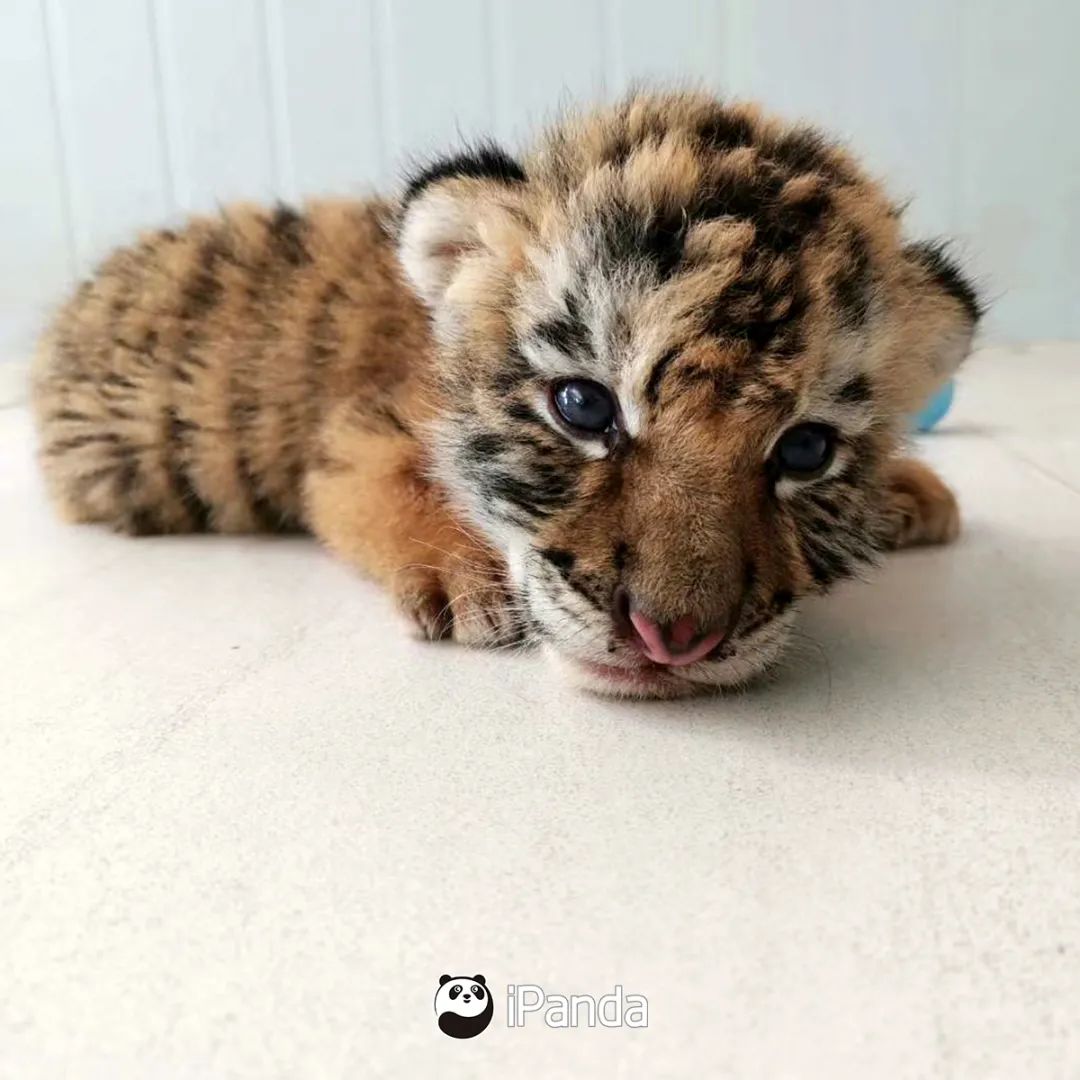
(805, 450)
(584, 405)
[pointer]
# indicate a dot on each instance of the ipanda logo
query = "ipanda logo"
(464, 1007)
(616, 1009)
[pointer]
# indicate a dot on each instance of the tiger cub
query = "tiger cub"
(630, 395)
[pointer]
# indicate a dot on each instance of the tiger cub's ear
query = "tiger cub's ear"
(450, 208)
(944, 306)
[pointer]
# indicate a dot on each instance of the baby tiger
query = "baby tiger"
(631, 395)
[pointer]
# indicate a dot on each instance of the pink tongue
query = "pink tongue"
(654, 647)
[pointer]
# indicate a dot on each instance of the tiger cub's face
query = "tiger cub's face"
(678, 341)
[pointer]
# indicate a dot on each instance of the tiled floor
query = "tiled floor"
(245, 825)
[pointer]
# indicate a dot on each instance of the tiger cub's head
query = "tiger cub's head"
(678, 341)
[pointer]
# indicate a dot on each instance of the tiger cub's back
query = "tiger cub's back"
(181, 388)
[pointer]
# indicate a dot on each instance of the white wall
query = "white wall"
(116, 113)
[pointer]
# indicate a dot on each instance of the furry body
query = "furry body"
(381, 374)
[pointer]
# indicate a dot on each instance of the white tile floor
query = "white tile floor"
(244, 825)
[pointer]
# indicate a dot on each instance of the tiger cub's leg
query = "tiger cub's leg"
(367, 498)
(919, 508)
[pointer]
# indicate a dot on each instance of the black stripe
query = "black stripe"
(663, 241)
(723, 131)
(483, 445)
(177, 448)
(267, 516)
(321, 333)
(483, 161)
(510, 375)
(750, 575)
(727, 385)
(856, 391)
(142, 521)
(539, 497)
(535, 446)
(628, 236)
(77, 442)
(782, 599)
(522, 412)
(112, 379)
(287, 229)
(127, 473)
(652, 387)
(566, 334)
(751, 197)
(563, 561)
(242, 415)
(826, 565)
(853, 285)
(189, 358)
(824, 503)
(806, 150)
(622, 553)
(245, 406)
(933, 256)
(202, 290)
(584, 585)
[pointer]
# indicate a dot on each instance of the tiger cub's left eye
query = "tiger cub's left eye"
(805, 451)
(584, 405)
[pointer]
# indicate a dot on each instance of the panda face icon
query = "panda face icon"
(463, 1005)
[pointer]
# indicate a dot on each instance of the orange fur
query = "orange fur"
(378, 373)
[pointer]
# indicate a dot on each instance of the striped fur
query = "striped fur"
(379, 373)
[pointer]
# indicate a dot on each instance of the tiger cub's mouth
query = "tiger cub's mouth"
(643, 678)
(733, 665)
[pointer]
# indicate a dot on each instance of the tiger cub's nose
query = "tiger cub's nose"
(676, 643)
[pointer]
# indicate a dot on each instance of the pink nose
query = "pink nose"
(677, 644)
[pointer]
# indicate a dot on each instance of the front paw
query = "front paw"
(469, 605)
(919, 508)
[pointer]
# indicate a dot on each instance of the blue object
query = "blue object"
(935, 409)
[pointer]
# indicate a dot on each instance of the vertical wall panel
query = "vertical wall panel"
(905, 69)
(107, 95)
(545, 55)
(680, 41)
(1020, 174)
(795, 59)
(36, 257)
(330, 95)
(216, 80)
(433, 92)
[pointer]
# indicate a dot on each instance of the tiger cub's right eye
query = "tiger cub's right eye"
(584, 405)
(805, 450)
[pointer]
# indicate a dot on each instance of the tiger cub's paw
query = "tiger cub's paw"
(919, 508)
(468, 604)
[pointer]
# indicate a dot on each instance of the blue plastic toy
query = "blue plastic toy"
(935, 409)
